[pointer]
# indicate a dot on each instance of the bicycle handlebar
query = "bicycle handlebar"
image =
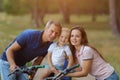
(27, 70)
(36, 67)
(61, 74)
(71, 68)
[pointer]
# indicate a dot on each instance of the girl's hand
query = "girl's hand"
(53, 69)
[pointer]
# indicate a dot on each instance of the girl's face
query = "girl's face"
(75, 37)
(63, 39)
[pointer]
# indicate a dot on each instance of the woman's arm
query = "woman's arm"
(86, 67)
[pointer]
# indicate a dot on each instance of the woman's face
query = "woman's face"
(75, 37)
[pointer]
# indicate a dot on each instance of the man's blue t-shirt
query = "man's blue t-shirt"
(31, 47)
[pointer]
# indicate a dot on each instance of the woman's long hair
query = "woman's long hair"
(84, 41)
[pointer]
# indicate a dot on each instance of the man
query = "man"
(27, 46)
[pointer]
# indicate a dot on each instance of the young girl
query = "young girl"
(57, 53)
(89, 58)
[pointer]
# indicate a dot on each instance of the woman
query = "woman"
(89, 58)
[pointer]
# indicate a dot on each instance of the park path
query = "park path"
(37, 76)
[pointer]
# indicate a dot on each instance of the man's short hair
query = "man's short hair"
(56, 23)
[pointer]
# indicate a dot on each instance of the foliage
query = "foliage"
(87, 6)
(16, 6)
(75, 6)
(1, 5)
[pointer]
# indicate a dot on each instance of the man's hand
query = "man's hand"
(13, 67)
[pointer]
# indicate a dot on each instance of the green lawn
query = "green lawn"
(99, 33)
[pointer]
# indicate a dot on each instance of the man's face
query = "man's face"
(52, 32)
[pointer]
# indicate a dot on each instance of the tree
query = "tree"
(39, 8)
(38, 12)
(115, 16)
(1, 5)
(64, 7)
(15, 7)
(20, 7)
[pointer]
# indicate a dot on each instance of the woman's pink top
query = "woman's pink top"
(100, 69)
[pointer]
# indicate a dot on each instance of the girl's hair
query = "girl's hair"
(66, 29)
(84, 41)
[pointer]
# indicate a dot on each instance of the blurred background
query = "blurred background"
(100, 18)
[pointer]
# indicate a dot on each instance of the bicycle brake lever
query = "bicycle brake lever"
(16, 70)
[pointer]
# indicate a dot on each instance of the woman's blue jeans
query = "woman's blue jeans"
(113, 76)
(4, 71)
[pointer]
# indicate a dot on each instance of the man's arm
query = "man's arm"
(10, 55)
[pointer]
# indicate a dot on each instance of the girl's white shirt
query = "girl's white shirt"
(59, 53)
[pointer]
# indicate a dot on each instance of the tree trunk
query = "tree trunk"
(64, 10)
(65, 14)
(94, 10)
(115, 16)
(94, 15)
(37, 14)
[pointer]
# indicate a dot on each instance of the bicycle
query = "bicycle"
(62, 73)
(27, 70)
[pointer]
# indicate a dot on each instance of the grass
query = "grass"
(99, 33)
